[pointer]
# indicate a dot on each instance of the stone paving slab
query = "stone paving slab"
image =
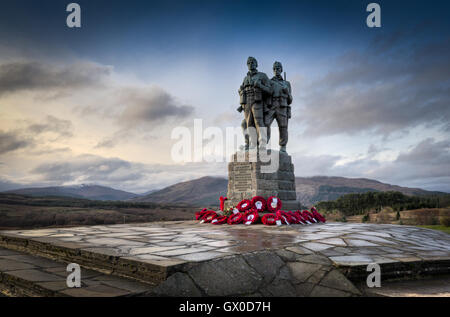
(169, 252)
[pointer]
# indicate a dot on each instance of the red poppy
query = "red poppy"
(244, 205)
(219, 220)
(269, 219)
(259, 203)
(250, 217)
(273, 204)
(235, 219)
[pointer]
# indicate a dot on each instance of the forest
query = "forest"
(362, 203)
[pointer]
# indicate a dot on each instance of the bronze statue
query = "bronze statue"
(255, 93)
(280, 107)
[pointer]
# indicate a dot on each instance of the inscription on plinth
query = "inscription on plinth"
(242, 177)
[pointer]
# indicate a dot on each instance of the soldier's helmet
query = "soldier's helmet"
(252, 59)
(278, 64)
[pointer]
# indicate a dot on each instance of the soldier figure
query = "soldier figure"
(254, 93)
(280, 108)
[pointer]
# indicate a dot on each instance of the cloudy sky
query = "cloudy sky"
(98, 104)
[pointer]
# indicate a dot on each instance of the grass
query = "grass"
(437, 227)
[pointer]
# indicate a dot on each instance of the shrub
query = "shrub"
(426, 217)
(365, 218)
(444, 217)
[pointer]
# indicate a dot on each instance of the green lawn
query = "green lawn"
(438, 227)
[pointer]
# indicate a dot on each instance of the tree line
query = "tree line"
(362, 203)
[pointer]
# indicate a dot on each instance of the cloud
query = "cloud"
(10, 141)
(143, 110)
(32, 135)
(312, 165)
(52, 124)
(121, 174)
(106, 143)
(392, 86)
(426, 165)
(8, 185)
(33, 75)
(151, 105)
(429, 160)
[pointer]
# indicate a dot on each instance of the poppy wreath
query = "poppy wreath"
(235, 219)
(294, 217)
(222, 202)
(269, 219)
(313, 217)
(284, 217)
(259, 203)
(299, 216)
(273, 204)
(244, 205)
(220, 220)
(307, 216)
(209, 216)
(317, 215)
(200, 214)
(250, 217)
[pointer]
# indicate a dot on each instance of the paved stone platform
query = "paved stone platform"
(185, 258)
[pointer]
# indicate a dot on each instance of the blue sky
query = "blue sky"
(367, 102)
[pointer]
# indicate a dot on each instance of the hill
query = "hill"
(93, 192)
(206, 191)
(19, 211)
(203, 191)
(310, 190)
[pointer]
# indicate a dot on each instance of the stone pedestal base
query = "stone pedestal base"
(248, 176)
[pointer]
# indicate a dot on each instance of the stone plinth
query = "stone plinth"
(250, 175)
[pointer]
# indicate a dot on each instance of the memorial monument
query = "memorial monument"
(257, 170)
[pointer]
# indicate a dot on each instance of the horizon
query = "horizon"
(98, 104)
(150, 191)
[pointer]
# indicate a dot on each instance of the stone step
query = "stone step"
(99, 259)
(426, 287)
(22, 274)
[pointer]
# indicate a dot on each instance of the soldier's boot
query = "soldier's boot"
(283, 149)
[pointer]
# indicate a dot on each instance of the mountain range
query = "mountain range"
(206, 191)
(94, 192)
(310, 190)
